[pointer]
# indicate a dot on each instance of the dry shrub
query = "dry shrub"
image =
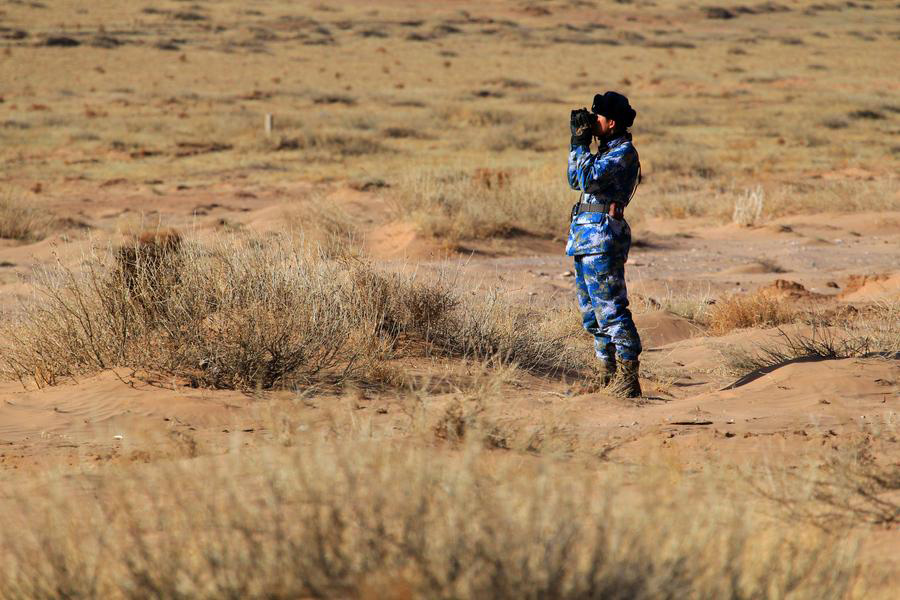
(464, 419)
(22, 220)
(878, 324)
(434, 317)
(322, 227)
(460, 409)
(401, 306)
(748, 208)
(754, 310)
(493, 328)
(244, 314)
(823, 344)
(369, 520)
(150, 266)
(874, 332)
(461, 205)
(851, 484)
(250, 313)
(856, 488)
(848, 487)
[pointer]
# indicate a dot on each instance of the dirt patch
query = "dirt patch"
(399, 240)
(866, 288)
(661, 327)
(783, 289)
(754, 268)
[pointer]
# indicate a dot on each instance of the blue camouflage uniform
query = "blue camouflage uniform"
(600, 245)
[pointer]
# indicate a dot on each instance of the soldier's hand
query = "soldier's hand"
(578, 119)
(581, 123)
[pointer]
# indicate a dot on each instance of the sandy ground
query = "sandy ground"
(107, 164)
(838, 260)
(781, 416)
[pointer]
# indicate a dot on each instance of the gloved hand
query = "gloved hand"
(582, 124)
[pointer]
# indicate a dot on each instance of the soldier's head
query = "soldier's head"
(614, 114)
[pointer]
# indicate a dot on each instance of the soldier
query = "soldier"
(599, 236)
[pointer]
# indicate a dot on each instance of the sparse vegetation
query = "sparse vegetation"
(484, 203)
(324, 145)
(689, 304)
(346, 361)
(366, 519)
(251, 313)
(243, 315)
(749, 207)
(322, 226)
(22, 220)
(874, 333)
(738, 311)
(850, 486)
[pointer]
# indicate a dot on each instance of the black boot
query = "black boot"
(627, 384)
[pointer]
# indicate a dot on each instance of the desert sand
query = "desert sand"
(150, 119)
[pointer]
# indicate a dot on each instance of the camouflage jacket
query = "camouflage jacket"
(608, 176)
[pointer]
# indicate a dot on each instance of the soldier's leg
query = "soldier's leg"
(606, 285)
(603, 346)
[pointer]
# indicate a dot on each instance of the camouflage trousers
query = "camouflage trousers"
(603, 301)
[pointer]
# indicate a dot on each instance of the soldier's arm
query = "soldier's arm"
(576, 156)
(593, 173)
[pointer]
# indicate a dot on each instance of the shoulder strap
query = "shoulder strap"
(637, 182)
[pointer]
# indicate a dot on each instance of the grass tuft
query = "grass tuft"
(22, 220)
(748, 208)
(873, 332)
(754, 310)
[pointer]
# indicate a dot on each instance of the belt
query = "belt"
(594, 208)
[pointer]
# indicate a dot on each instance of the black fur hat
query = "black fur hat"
(615, 106)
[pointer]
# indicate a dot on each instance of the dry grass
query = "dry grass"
(841, 196)
(23, 220)
(691, 302)
(322, 227)
(753, 310)
(244, 314)
(749, 207)
(439, 103)
(330, 144)
(850, 486)
(753, 206)
(874, 331)
(250, 313)
(422, 98)
(485, 203)
(368, 520)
